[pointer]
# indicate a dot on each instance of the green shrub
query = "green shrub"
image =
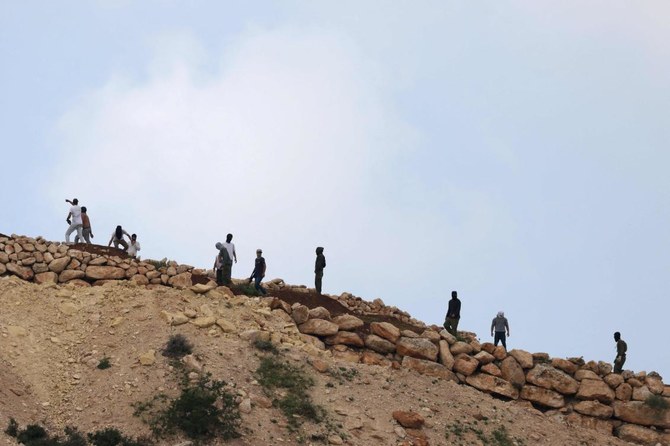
(657, 402)
(36, 435)
(204, 410)
(12, 428)
(104, 363)
(177, 347)
(266, 346)
(113, 437)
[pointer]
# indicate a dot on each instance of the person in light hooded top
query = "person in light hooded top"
(499, 325)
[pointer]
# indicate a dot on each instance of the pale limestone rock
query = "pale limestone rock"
(300, 313)
(512, 372)
(59, 265)
(181, 281)
(148, 358)
(417, 347)
(385, 330)
(199, 288)
(379, 344)
(594, 409)
(586, 374)
(613, 380)
(638, 412)
(139, 279)
(22, 272)
(543, 397)
(624, 392)
(319, 327)
(492, 384)
(491, 369)
(105, 273)
(638, 434)
(451, 339)
(592, 389)
(204, 322)
(226, 326)
(461, 347)
(70, 274)
(319, 313)
(484, 358)
(568, 367)
(345, 338)
(46, 277)
(429, 368)
(550, 378)
(446, 358)
(524, 358)
(466, 365)
(641, 393)
(348, 322)
(245, 406)
(500, 353)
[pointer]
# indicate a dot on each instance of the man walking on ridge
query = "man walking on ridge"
(74, 220)
(86, 227)
(621, 348)
(258, 272)
(499, 324)
(453, 314)
(228, 261)
(318, 269)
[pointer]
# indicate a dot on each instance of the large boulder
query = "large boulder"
(613, 380)
(492, 384)
(385, 330)
(594, 409)
(543, 397)
(524, 358)
(624, 392)
(46, 277)
(105, 273)
(300, 313)
(461, 347)
(319, 313)
(568, 367)
(23, 272)
(512, 372)
(319, 327)
(417, 347)
(484, 357)
(595, 389)
(180, 281)
(59, 265)
(429, 368)
(348, 322)
(466, 365)
(379, 344)
(550, 378)
(446, 358)
(408, 419)
(491, 369)
(70, 274)
(345, 338)
(638, 412)
(638, 434)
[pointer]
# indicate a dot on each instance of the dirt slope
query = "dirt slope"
(52, 338)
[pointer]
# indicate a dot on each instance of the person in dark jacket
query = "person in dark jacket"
(259, 272)
(621, 348)
(453, 314)
(221, 260)
(318, 269)
(499, 325)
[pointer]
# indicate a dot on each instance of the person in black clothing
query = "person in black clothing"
(621, 348)
(318, 269)
(453, 314)
(258, 272)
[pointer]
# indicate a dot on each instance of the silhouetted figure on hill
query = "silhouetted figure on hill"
(318, 269)
(259, 272)
(499, 325)
(117, 238)
(86, 227)
(621, 348)
(73, 219)
(222, 258)
(453, 314)
(134, 246)
(228, 260)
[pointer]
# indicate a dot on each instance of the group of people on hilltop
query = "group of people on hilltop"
(500, 330)
(223, 265)
(78, 220)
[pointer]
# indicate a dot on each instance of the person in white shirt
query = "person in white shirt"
(232, 255)
(74, 220)
(117, 238)
(134, 246)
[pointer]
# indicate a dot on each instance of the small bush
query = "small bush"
(657, 402)
(266, 346)
(204, 410)
(295, 402)
(500, 437)
(247, 289)
(342, 374)
(113, 437)
(12, 428)
(104, 363)
(177, 347)
(163, 263)
(36, 435)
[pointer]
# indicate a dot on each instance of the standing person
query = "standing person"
(222, 259)
(228, 261)
(117, 238)
(86, 227)
(134, 246)
(318, 269)
(74, 220)
(499, 324)
(259, 271)
(453, 314)
(621, 348)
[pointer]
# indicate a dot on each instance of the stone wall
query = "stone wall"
(579, 392)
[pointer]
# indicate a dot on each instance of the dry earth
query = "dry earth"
(52, 337)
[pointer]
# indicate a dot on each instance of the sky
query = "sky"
(514, 151)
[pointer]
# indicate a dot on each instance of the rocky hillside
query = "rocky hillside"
(371, 373)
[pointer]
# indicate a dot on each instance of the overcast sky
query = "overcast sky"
(515, 151)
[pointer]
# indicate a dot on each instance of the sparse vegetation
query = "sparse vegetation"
(246, 289)
(177, 347)
(657, 402)
(342, 374)
(36, 435)
(104, 363)
(203, 410)
(498, 437)
(266, 346)
(295, 401)
(163, 263)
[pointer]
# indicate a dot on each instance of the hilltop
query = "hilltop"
(378, 375)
